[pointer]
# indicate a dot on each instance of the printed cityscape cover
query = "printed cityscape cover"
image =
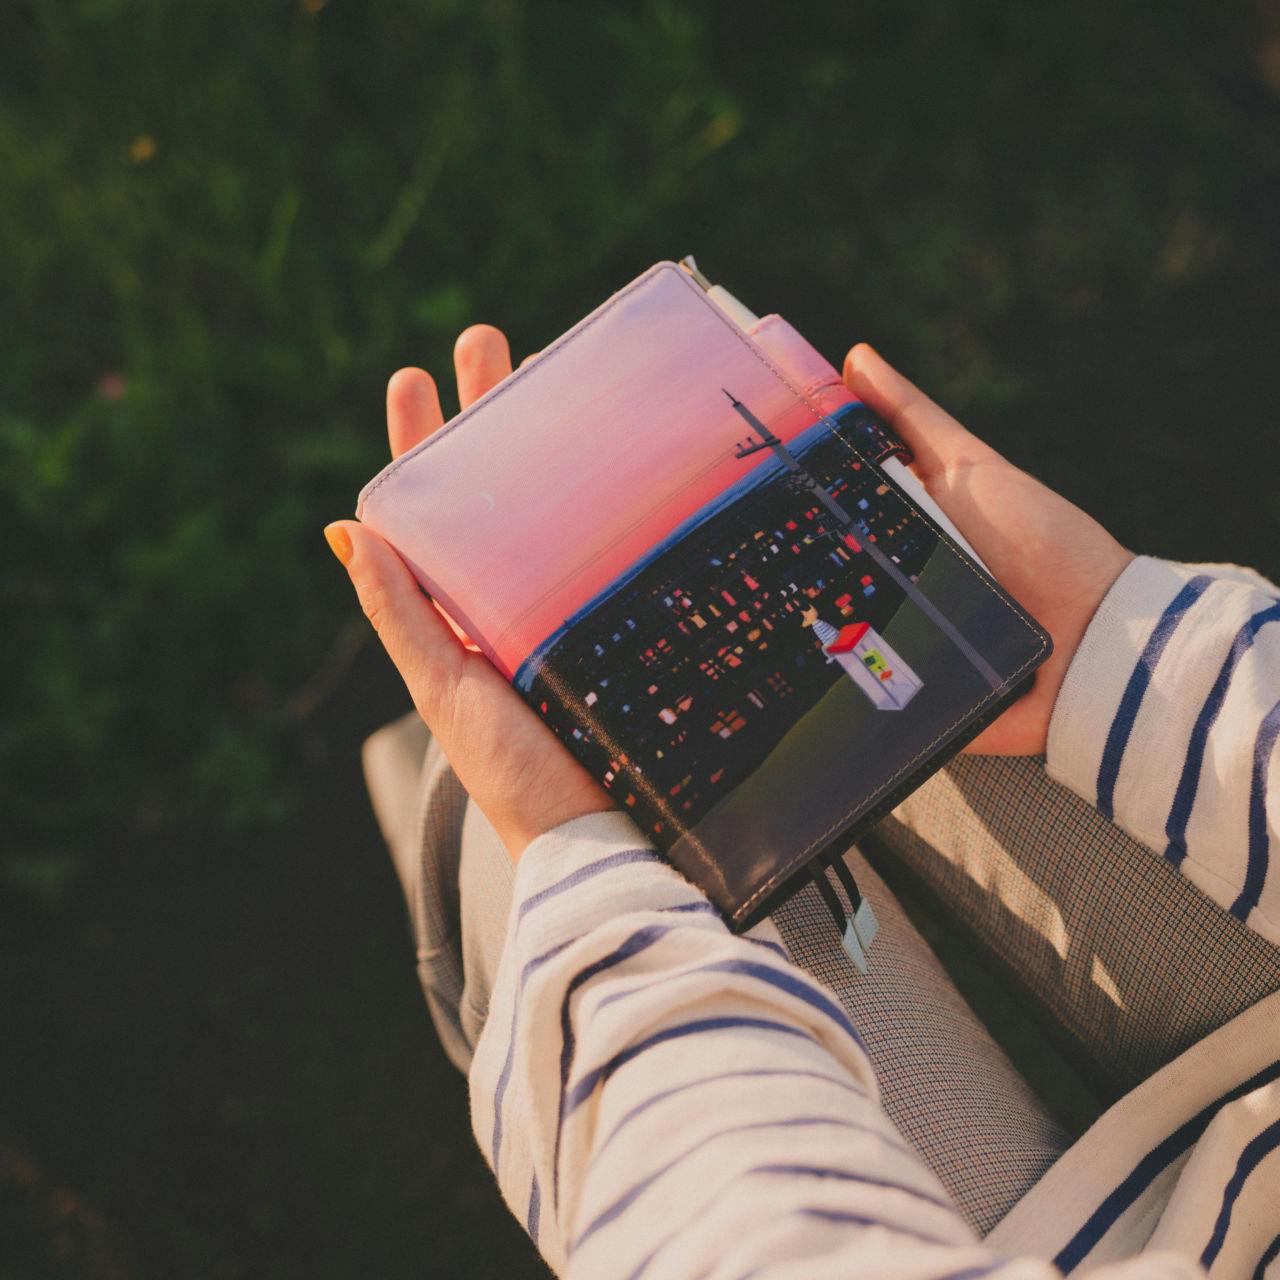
(675, 541)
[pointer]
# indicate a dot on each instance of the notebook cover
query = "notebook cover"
(676, 541)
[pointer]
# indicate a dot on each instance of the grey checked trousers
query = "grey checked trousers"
(1112, 962)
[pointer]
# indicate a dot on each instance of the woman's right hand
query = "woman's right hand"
(511, 764)
(1052, 558)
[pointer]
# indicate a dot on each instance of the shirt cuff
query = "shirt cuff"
(1101, 675)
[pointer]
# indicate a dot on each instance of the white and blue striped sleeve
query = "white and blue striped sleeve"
(1168, 721)
(661, 1098)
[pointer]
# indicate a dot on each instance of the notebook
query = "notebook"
(676, 533)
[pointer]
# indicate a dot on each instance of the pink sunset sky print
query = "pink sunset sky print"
(568, 475)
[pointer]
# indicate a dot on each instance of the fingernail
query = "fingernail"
(339, 541)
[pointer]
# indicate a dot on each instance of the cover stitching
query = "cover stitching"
(788, 868)
(944, 538)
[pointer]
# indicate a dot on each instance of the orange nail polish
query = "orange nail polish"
(339, 541)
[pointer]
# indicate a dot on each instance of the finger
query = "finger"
(415, 636)
(413, 409)
(481, 359)
(929, 431)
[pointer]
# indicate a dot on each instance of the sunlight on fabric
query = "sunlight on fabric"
(984, 860)
(1106, 983)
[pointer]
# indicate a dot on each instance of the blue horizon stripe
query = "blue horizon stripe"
(581, 874)
(504, 1076)
(1185, 797)
(1140, 1177)
(791, 984)
(718, 1077)
(1136, 688)
(629, 1197)
(639, 941)
(1255, 875)
(1255, 1151)
(1269, 1255)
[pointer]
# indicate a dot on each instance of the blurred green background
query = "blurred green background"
(223, 225)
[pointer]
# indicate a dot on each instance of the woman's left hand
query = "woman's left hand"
(511, 764)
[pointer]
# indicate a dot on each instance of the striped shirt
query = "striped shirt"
(661, 1098)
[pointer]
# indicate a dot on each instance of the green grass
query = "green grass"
(223, 226)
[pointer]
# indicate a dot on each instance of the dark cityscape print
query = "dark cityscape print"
(697, 657)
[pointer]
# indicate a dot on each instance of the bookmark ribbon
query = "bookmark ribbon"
(858, 925)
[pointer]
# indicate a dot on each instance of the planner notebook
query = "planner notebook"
(675, 536)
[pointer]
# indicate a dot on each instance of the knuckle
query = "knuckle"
(375, 601)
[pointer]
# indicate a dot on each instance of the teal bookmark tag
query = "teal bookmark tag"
(853, 946)
(859, 933)
(865, 924)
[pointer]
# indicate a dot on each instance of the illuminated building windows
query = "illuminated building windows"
(779, 684)
(592, 698)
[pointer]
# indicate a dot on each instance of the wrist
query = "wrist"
(549, 814)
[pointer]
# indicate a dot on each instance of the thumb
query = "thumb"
(938, 441)
(417, 639)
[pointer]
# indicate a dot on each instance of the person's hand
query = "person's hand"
(1051, 557)
(511, 764)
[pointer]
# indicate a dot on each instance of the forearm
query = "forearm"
(660, 1097)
